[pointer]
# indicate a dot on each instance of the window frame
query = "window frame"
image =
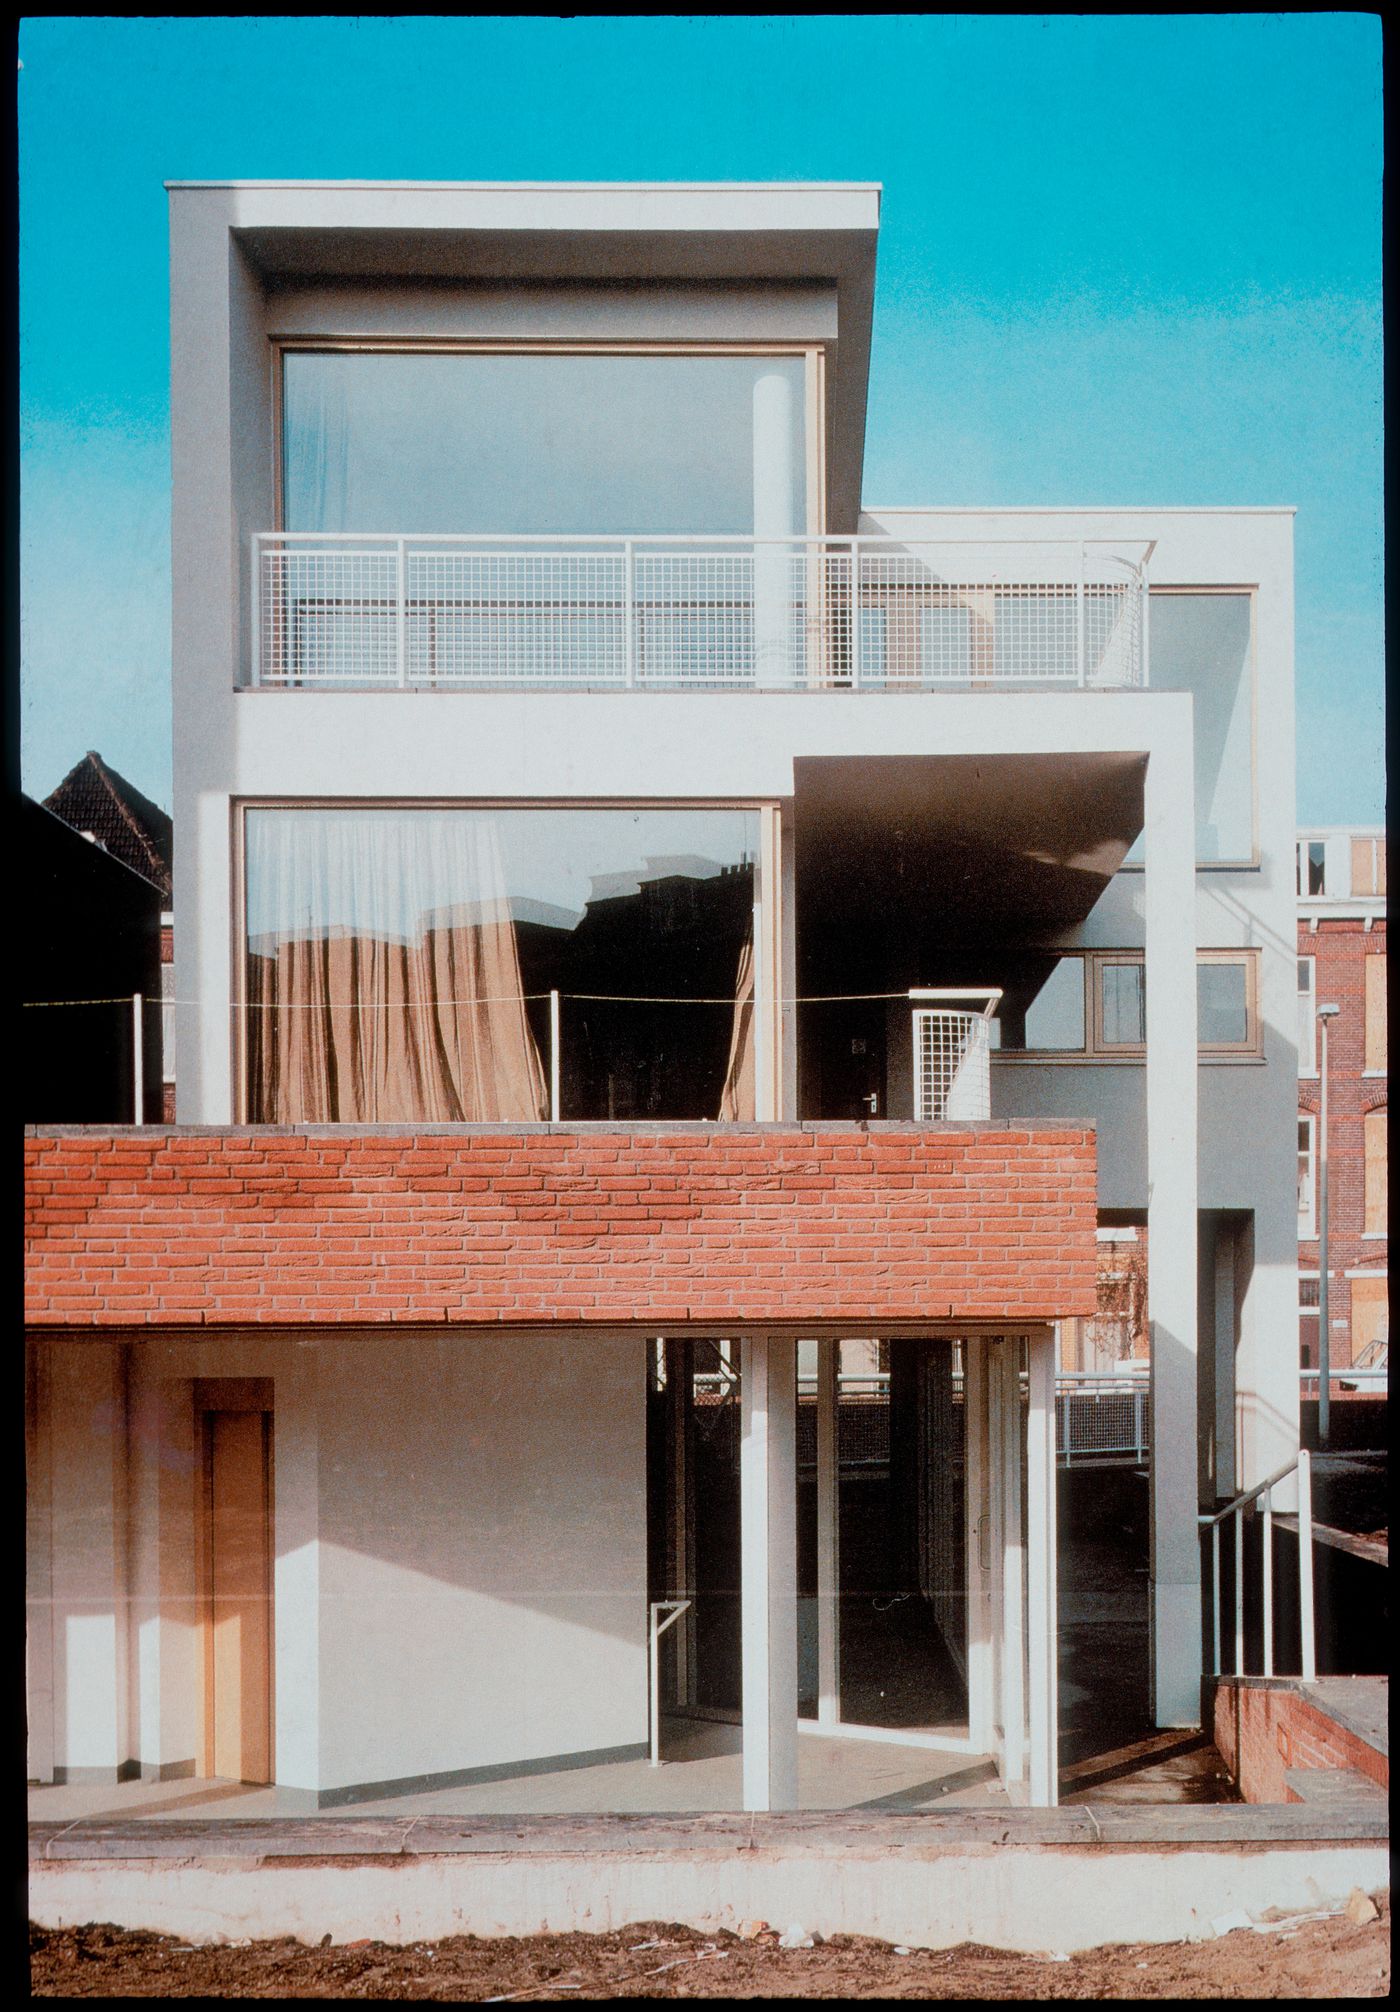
(1098, 1050)
(1375, 1207)
(768, 905)
(1250, 590)
(1374, 1021)
(814, 409)
(1311, 995)
(1308, 1235)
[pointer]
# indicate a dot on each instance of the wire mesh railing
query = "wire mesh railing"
(693, 614)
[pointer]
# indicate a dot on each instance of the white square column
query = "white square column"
(768, 1569)
(1170, 933)
(1042, 1635)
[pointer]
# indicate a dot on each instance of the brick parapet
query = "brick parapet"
(521, 1225)
(1261, 1733)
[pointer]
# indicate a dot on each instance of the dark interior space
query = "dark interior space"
(676, 940)
(941, 871)
(901, 1544)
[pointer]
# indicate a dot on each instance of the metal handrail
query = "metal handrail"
(1307, 1625)
(672, 1609)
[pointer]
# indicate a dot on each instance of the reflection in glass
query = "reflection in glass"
(1201, 645)
(399, 963)
(1055, 1017)
(1123, 1005)
(1222, 1004)
(410, 443)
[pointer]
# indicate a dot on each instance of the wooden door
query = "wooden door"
(238, 1603)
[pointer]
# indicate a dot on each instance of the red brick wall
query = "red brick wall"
(824, 1223)
(1261, 1733)
(1341, 945)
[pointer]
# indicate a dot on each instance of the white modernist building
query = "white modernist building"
(560, 739)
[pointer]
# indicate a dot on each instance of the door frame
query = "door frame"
(213, 1395)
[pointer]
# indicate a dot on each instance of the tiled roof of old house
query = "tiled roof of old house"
(94, 799)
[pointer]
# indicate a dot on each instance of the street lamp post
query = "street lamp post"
(1324, 1329)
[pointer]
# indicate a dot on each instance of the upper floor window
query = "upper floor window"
(1375, 1131)
(1307, 1176)
(528, 442)
(1307, 1016)
(1375, 1063)
(1095, 1003)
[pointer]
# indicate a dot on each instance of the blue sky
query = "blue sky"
(1122, 260)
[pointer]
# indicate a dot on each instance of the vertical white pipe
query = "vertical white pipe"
(1306, 1620)
(773, 567)
(1239, 1592)
(554, 1058)
(1169, 897)
(1215, 1598)
(828, 1533)
(654, 1683)
(401, 613)
(980, 1706)
(1040, 1538)
(138, 1062)
(1013, 1645)
(629, 612)
(1267, 1534)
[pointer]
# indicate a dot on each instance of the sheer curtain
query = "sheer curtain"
(383, 972)
(737, 1098)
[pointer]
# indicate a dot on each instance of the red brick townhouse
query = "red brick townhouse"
(1341, 962)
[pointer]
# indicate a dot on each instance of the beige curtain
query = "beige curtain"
(383, 976)
(737, 1098)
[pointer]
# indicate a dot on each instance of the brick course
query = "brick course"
(267, 1227)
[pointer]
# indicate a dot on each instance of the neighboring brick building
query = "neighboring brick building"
(1341, 962)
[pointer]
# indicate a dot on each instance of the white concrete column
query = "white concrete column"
(774, 570)
(1170, 937)
(1042, 1685)
(828, 1533)
(981, 1679)
(1013, 1568)
(38, 1558)
(88, 1434)
(165, 1640)
(768, 1569)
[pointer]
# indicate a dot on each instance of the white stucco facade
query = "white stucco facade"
(481, 1499)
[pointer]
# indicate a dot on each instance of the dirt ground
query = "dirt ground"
(1335, 1957)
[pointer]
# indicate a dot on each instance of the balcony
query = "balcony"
(346, 612)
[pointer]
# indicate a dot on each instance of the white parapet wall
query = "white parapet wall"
(1028, 1897)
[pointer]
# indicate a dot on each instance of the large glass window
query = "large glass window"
(400, 963)
(379, 441)
(1201, 643)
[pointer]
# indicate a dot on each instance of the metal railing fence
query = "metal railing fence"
(1259, 1500)
(350, 611)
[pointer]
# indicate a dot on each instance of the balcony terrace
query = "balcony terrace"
(346, 611)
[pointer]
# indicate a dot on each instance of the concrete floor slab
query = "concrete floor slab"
(703, 1772)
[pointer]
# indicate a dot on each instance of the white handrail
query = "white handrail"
(1307, 1622)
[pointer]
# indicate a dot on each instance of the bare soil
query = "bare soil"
(1331, 1958)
